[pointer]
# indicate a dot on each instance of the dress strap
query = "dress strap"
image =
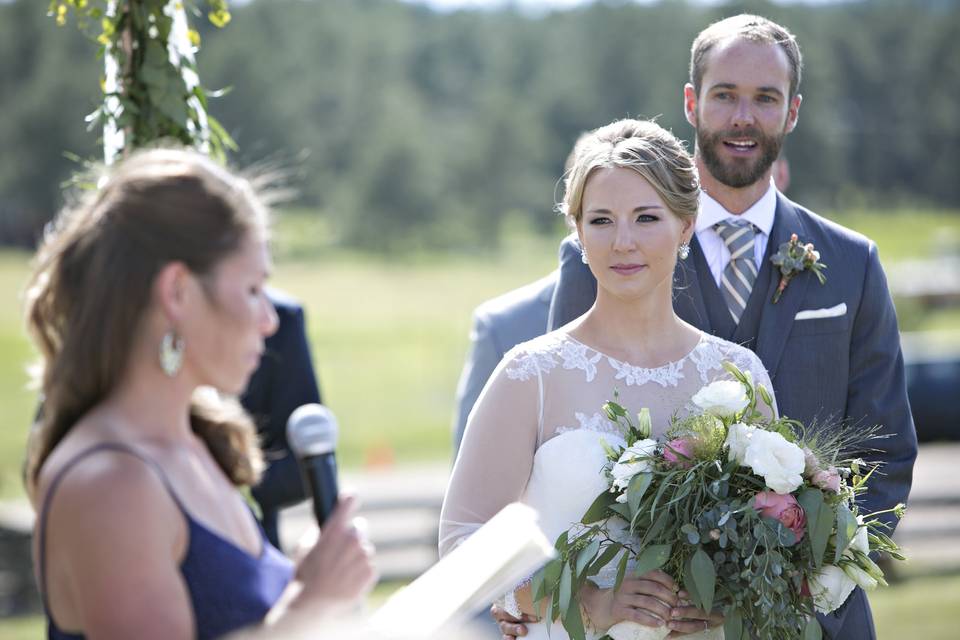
(48, 498)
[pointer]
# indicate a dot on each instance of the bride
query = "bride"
(631, 193)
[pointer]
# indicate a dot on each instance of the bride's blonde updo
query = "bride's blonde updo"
(643, 146)
(92, 282)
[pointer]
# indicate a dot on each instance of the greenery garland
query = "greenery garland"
(155, 93)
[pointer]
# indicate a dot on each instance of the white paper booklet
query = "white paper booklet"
(504, 551)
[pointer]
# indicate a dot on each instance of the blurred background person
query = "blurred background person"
(499, 325)
(284, 380)
(146, 303)
(780, 172)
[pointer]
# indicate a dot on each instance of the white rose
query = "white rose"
(858, 575)
(830, 588)
(632, 461)
(777, 460)
(628, 630)
(738, 438)
(723, 398)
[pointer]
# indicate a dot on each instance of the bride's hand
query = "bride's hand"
(687, 619)
(647, 600)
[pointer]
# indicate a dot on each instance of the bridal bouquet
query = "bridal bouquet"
(753, 517)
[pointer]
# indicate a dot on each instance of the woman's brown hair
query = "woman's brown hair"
(92, 284)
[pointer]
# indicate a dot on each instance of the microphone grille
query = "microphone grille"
(312, 430)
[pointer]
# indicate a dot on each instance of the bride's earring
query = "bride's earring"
(683, 251)
(171, 353)
(583, 256)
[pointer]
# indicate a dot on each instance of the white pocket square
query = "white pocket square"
(829, 312)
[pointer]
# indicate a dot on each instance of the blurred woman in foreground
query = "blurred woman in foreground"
(146, 302)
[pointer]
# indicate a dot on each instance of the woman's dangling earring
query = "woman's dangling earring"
(583, 256)
(171, 353)
(684, 250)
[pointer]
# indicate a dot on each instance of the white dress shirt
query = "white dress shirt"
(712, 212)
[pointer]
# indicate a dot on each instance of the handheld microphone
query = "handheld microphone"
(312, 436)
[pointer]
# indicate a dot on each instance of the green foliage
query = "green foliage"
(157, 96)
(484, 106)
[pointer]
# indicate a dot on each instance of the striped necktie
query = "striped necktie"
(741, 272)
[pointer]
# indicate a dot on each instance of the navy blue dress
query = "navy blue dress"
(229, 587)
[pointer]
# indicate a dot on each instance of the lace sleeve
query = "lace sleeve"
(496, 456)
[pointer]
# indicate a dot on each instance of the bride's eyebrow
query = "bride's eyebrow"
(638, 209)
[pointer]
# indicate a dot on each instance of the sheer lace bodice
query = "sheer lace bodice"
(554, 385)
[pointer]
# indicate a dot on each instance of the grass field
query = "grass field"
(389, 334)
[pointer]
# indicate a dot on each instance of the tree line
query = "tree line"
(409, 128)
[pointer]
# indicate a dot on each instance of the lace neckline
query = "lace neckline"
(670, 366)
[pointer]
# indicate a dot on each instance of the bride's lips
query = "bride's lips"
(628, 269)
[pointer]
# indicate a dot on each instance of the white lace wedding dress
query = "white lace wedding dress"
(535, 433)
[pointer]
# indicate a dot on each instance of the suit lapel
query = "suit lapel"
(687, 292)
(776, 320)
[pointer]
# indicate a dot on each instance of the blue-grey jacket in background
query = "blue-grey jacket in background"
(283, 381)
(840, 360)
(499, 325)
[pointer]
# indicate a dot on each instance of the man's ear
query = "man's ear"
(170, 290)
(793, 113)
(690, 104)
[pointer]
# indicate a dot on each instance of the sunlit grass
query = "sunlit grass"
(389, 334)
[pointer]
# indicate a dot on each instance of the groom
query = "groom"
(832, 350)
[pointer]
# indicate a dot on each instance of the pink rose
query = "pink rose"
(828, 479)
(679, 452)
(783, 508)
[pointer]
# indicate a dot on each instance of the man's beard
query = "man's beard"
(738, 172)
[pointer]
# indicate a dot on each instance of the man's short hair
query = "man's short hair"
(748, 27)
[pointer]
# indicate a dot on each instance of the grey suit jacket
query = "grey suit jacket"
(847, 367)
(499, 325)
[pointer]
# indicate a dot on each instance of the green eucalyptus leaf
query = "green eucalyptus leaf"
(598, 509)
(635, 490)
(705, 577)
(566, 588)
(819, 521)
(732, 624)
(812, 631)
(605, 558)
(652, 557)
(621, 571)
(551, 574)
(846, 530)
(537, 586)
(586, 555)
(573, 622)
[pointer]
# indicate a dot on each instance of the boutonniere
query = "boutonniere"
(794, 258)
